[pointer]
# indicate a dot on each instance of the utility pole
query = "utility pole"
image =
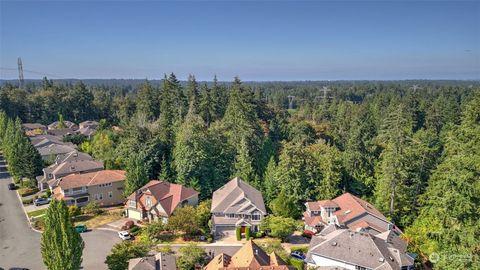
(20, 72)
(290, 102)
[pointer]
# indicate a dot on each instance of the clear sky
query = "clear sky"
(257, 40)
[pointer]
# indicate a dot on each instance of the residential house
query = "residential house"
(33, 129)
(249, 256)
(336, 248)
(88, 124)
(236, 204)
(67, 124)
(61, 132)
(71, 163)
(38, 138)
(346, 210)
(104, 187)
(50, 151)
(161, 261)
(87, 131)
(158, 200)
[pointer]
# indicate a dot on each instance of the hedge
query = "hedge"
(302, 249)
(247, 233)
(238, 232)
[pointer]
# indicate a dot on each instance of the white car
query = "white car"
(124, 235)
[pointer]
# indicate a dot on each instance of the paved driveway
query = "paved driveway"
(20, 246)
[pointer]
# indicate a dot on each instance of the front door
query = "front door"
(242, 229)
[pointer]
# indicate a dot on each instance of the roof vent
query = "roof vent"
(381, 259)
(72, 168)
(348, 211)
(334, 243)
(391, 259)
(256, 251)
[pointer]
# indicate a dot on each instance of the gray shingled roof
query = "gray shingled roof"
(77, 167)
(72, 156)
(237, 196)
(55, 149)
(160, 261)
(386, 251)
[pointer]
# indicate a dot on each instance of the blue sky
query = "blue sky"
(257, 40)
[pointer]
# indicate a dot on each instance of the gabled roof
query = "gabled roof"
(87, 131)
(169, 195)
(55, 149)
(77, 166)
(351, 206)
(61, 131)
(72, 156)
(362, 249)
(68, 124)
(249, 256)
(90, 179)
(161, 261)
(237, 196)
(33, 126)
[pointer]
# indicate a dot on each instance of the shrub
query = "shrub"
(49, 193)
(308, 234)
(296, 263)
(258, 234)
(302, 249)
(92, 208)
(74, 211)
(135, 230)
(238, 233)
(27, 201)
(247, 233)
(27, 191)
(164, 249)
(210, 239)
(129, 224)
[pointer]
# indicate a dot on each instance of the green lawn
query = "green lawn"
(37, 212)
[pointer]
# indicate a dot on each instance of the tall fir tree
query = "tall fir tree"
(193, 94)
(448, 226)
(137, 172)
(61, 244)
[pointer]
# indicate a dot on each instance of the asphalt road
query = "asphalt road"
(20, 246)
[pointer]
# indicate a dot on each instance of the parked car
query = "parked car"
(297, 255)
(124, 235)
(12, 186)
(41, 201)
(80, 228)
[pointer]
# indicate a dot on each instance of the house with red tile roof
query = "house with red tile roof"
(104, 187)
(346, 210)
(158, 200)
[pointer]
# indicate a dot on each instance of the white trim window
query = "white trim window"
(230, 215)
(256, 216)
(110, 194)
(148, 201)
(133, 204)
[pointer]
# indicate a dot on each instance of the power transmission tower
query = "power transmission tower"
(325, 91)
(290, 102)
(415, 87)
(20, 72)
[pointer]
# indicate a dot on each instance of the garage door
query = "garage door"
(225, 231)
(134, 214)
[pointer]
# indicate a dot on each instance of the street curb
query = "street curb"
(105, 229)
(25, 212)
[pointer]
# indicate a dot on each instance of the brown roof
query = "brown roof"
(169, 195)
(249, 256)
(90, 179)
(348, 207)
(237, 196)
